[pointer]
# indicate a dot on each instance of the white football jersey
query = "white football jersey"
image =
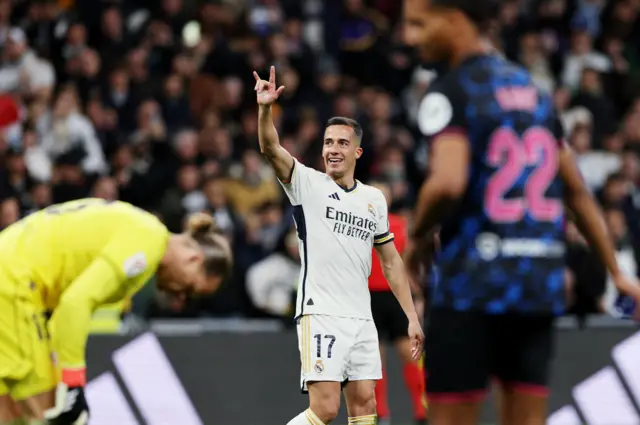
(337, 229)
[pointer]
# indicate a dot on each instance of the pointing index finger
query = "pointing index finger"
(272, 75)
(256, 76)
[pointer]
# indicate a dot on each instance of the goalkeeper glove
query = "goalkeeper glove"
(70, 406)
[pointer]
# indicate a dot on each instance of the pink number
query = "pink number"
(511, 155)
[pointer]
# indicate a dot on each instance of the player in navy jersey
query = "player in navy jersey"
(500, 177)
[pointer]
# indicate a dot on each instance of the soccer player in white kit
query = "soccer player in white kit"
(338, 220)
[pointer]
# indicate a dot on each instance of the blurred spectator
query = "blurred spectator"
(218, 205)
(22, 70)
(590, 95)
(582, 55)
(272, 282)
(105, 188)
(625, 255)
(184, 198)
(533, 58)
(67, 129)
(9, 212)
(595, 165)
(251, 184)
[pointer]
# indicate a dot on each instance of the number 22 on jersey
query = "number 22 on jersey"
(511, 154)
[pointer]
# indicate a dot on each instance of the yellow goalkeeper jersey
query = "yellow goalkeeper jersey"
(74, 257)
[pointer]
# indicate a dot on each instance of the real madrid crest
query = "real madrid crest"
(318, 367)
(372, 211)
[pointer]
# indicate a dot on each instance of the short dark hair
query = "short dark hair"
(480, 12)
(357, 128)
(615, 177)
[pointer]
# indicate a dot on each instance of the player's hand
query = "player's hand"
(70, 407)
(631, 287)
(416, 336)
(266, 91)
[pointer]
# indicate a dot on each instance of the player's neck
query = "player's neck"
(465, 47)
(346, 182)
(170, 253)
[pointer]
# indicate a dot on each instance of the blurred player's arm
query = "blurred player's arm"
(71, 320)
(448, 175)
(590, 221)
(279, 158)
(442, 119)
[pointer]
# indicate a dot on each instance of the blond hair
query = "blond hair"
(216, 248)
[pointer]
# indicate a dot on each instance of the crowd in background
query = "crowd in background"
(151, 102)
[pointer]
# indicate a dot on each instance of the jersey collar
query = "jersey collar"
(351, 189)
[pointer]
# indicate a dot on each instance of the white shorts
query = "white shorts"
(338, 349)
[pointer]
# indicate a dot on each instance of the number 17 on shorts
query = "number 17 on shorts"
(337, 349)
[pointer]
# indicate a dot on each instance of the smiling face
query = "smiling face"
(340, 151)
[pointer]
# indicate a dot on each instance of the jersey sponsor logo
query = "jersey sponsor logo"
(349, 224)
(434, 114)
(609, 396)
(490, 246)
(153, 386)
(135, 265)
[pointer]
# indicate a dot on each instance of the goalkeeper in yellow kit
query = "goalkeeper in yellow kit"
(70, 259)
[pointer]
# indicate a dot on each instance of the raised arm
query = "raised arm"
(266, 95)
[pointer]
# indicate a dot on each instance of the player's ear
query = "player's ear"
(358, 152)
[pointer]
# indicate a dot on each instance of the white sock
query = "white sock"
(363, 420)
(306, 418)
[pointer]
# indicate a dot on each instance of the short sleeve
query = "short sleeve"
(383, 234)
(443, 108)
(299, 184)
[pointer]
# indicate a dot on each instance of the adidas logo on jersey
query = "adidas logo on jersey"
(334, 196)
(148, 384)
(310, 302)
(609, 396)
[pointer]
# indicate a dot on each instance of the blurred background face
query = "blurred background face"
(614, 191)
(188, 178)
(340, 151)
(9, 212)
(617, 224)
(215, 194)
(106, 188)
(186, 145)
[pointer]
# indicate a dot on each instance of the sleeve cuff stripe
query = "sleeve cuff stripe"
(381, 236)
(384, 238)
(385, 241)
